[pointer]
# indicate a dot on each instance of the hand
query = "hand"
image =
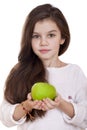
(36, 104)
(58, 103)
(51, 104)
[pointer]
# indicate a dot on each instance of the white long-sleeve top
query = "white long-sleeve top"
(71, 83)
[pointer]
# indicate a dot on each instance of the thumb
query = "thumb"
(29, 96)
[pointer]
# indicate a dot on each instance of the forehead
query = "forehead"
(45, 24)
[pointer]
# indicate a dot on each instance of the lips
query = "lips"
(44, 51)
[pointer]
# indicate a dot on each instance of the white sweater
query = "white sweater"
(71, 83)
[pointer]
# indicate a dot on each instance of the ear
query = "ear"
(62, 41)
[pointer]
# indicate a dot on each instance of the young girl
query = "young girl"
(45, 37)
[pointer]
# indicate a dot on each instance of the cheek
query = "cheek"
(34, 47)
(35, 43)
(55, 45)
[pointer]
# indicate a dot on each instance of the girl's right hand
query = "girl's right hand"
(30, 104)
(26, 107)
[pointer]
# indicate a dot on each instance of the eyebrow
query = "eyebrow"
(53, 31)
(47, 32)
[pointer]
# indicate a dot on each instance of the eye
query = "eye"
(35, 36)
(51, 35)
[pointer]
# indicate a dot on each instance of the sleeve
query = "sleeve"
(79, 103)
(6, 114)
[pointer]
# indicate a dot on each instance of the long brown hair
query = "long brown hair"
(30, 68)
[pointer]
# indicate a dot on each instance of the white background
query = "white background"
(12, 17)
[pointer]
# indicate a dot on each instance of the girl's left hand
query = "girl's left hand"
(51, 104)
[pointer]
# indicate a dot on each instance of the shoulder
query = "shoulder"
(75, 67)
(79, 73)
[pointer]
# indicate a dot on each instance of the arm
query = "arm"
(80, 109)
(73, 113)
(59, 103)
(79, 101)
(75, 110)
(6, 113)
(65, 107)
(26, 107)
(12, 115)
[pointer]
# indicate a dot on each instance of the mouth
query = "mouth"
(44, 51)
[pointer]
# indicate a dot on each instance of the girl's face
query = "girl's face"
(46, 40)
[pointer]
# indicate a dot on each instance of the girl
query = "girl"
(46, 36)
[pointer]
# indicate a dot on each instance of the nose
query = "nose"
(43, 42)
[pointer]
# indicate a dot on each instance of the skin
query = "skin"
(46, 40)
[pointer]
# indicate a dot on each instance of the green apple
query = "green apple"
(41, 90)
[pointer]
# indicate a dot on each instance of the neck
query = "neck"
(57, 63)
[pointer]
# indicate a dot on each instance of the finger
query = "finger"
(48, 104)
(58, 99)
(44, 107)
(29, 96)
(37, 104)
